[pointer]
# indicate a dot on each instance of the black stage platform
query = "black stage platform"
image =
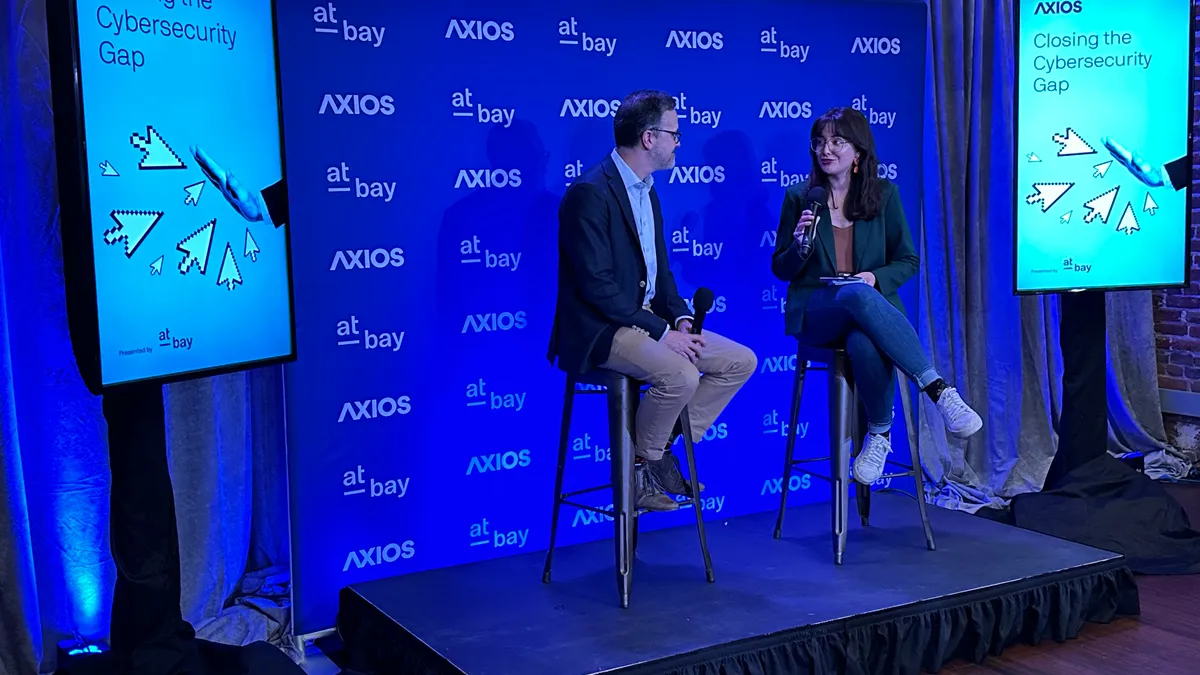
(778, 606)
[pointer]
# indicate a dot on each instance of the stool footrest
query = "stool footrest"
(594, 509)
(584, 491)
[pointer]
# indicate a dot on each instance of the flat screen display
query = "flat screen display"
(179, 123)
(1103, 149)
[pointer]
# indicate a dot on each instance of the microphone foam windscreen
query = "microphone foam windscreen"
(816, 194)
(703, 300)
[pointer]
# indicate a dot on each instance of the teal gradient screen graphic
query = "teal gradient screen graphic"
(1103, 164)
(177, 96)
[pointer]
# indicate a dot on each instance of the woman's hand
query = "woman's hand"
(801, 233)
(867, 277)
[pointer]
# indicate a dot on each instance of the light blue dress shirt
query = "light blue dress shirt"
(643, 218)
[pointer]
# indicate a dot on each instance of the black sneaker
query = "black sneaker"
(666, 470)
(648, 493)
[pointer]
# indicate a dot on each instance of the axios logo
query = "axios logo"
(357, 104)
(720, 304)
(496, 321)
(365, 258)
(374, 409)
(379, 555)
(498, 462)
(875, 45)
(698, 174)
(488, 178)
(778, 364)
(589, 107)
(887, 171)
(1063, 7)
(773, 486)
(785, 110)
(690, 39)
(474, 29)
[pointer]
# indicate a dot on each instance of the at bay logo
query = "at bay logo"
(379, 555)
(374, 408)
(698, 174)
(777, 110)
(589, 107)
(488, 178)
(498, 461)
(691, 39)
(367, 258)
(1062, 7)
(876, 45)
(475, 29)
(495, 321)
(357, 104)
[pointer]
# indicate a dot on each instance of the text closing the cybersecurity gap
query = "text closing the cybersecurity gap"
(1058, 56)
(185, 20)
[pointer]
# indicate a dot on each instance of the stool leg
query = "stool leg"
(862, 493)
(620, 405)
(564, 439)
(840, 442)
(914, 449)
(689, 448)
(793, 421)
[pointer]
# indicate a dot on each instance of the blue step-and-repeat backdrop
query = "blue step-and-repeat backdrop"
(428, 145)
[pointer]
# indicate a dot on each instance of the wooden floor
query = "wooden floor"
(1164, 640)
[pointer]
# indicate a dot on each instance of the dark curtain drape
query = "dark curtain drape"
(225, 435)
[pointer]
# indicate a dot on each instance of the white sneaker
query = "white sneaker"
(961, 420)
(868, 466)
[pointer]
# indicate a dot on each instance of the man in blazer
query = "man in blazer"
(618, 306)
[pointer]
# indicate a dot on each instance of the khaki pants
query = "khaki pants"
(706, 387)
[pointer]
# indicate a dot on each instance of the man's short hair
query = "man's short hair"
(640, 111)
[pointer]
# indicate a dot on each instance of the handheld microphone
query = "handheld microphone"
(816, 199)
(702, 301)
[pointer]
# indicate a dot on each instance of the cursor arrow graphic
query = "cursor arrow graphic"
(1101, 169)
(193, 193)
(156, 154)
(251, 250)
(107, 169)
(1129, 221)
(1066, 217)
(230, 275)
(156, 266)
(1072, 144)
(195, 248)
(1047, 194)
(1150, 206)
(131, 227)
(1101, 206)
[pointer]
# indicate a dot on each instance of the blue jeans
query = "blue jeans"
(878, 339)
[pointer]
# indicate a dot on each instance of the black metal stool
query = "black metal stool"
(846, 432)
(624, 394)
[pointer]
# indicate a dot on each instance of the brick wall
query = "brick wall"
(1177, 312)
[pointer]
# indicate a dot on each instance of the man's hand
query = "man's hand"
(867, 277)
(684, 344)
(685, 326)
(245, 201)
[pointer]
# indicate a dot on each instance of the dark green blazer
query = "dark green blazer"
(882, 246)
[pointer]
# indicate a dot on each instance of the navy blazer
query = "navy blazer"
(602, 274)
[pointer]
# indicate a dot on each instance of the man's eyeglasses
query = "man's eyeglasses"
(676, 134)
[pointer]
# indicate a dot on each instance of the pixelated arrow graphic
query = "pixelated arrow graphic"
(1072, 144)
(195, 248)
(1150, 206)
(1047, 194)
(107, 169)
(131, 227)
(193, 193)
(230, 275)
(156, 154)
(251, 250)
(1033, 157)
(156, 266)
(1129, 221)
(1101, 206)
(1101, 169)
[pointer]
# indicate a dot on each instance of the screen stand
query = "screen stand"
(147, 628)
(1083, 425)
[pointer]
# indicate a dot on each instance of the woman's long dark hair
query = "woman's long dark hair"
(865, 193)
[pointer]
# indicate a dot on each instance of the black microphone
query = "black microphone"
(702, 301)
(816, 199)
